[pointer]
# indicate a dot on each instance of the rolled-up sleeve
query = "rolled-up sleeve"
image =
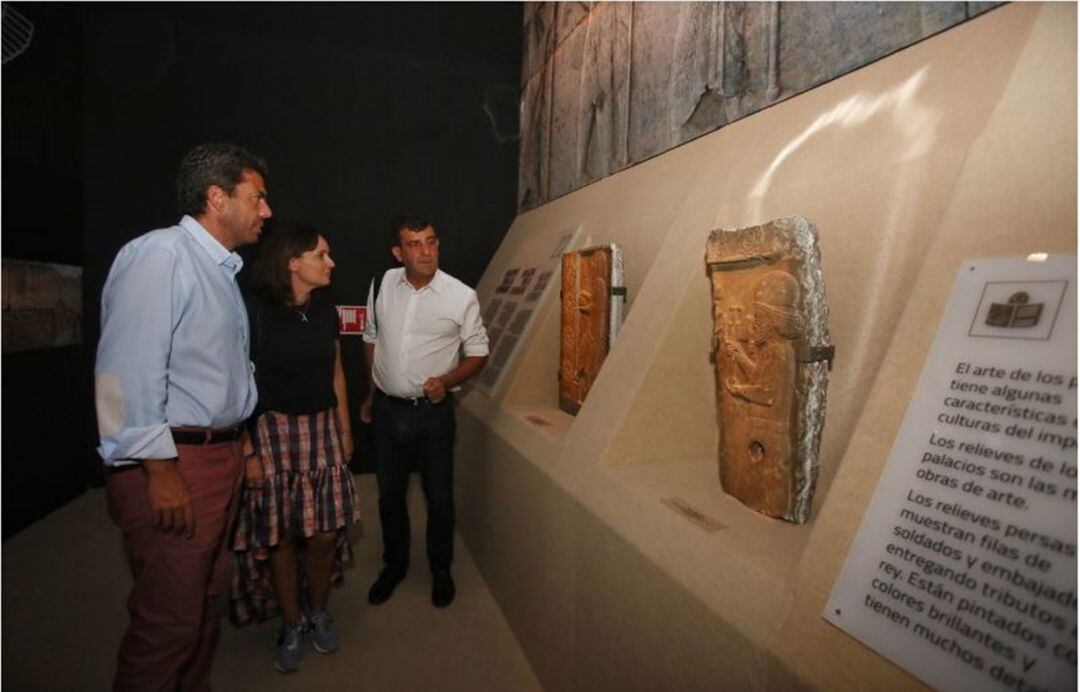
(371, 332)
(138, 305)
(474, 340)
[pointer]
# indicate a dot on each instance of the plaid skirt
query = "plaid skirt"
(307, 488)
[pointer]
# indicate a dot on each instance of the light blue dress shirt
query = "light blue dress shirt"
(174, 343)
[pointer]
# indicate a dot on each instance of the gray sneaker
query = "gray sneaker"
(290, 647)
(325, 639)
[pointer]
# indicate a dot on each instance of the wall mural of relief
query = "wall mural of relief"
(604, 95)
(42, 305)
(566, 141)
(538, 44)
(607, 85)
(723, 66)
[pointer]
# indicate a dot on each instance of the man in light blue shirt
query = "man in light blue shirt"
(173, 382)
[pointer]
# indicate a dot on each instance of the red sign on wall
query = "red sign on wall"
(351, 318)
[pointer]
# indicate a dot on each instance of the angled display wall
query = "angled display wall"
(606, 538)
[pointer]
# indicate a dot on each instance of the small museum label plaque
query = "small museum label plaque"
(963, 571)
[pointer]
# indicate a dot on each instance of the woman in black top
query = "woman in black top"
(299, 491)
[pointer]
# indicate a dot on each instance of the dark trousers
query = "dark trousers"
(425, 432)
(179, 588)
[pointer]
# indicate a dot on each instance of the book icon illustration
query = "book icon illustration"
(1017, 313)
(1018, 309)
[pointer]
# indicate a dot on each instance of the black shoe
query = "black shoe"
(442, 589)
(384, 586)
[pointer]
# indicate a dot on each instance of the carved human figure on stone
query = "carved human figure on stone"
(764, 366)
(761, 382)
(771, 349)
(588, 343)
(587, 318)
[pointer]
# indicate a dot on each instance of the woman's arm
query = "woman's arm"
(253, 470)
(342, 395)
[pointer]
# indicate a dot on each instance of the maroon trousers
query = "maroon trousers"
(177, 598)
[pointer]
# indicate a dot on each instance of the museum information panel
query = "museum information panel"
(508, 312)
(963, 571)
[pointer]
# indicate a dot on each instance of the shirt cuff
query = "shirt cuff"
(474, 351)
(146, 442)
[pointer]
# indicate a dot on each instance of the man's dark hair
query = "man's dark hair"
(212, 164)
(409, 221)
(270, 273)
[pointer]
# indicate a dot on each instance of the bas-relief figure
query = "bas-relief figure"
(538, 45)
(607, 85)
(604, 95)
(592, 299)
(42, 305)
(771, 348)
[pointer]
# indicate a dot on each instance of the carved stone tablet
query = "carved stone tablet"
(772, 352)
(592, 301)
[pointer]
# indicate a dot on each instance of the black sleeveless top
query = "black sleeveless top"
(293, 351)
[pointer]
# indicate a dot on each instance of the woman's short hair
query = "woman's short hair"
(270, 274)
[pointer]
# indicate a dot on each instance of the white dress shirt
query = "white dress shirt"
(174, 343)
(420, 334)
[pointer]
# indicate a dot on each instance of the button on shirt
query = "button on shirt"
(419, 334)
(174, 343)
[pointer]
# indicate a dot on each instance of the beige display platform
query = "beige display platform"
(963, 146)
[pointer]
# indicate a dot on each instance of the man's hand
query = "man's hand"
(365, 408)
(253, 472)
(434, 389)
(168, 497)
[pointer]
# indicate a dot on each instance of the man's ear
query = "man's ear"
(395, 250)
(216, 197)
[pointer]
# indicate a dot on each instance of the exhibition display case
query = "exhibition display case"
(606, 537)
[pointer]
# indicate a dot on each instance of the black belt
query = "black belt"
(411, 400)
(203, 436)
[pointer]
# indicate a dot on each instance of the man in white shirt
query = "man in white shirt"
(423, 339)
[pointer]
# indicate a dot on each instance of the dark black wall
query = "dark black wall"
(361, 110)
(47, 450)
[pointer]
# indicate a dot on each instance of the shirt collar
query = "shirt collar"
(218, 252)
(437, 283)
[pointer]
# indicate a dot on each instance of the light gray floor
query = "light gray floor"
(64, 583)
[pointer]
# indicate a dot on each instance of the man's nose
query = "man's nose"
(264, 209)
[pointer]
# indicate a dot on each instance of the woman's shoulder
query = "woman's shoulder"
(256, 300)
(323, 301)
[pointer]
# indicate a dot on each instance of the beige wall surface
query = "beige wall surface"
(963, 146)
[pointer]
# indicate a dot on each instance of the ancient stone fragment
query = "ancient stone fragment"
(592, 311)
(772, 353)
(42, 305)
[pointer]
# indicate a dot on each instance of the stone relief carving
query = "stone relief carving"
(592, 309)
(538, 44)
(771, 350)
(42, 305)
(607, 85)
(604, 96)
